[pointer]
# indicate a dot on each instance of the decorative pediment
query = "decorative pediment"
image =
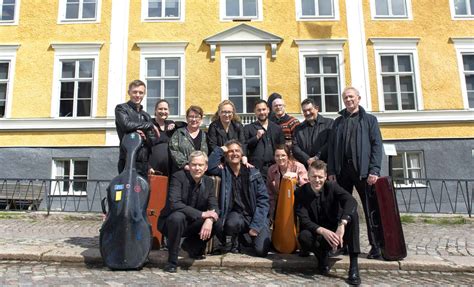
(243, 34)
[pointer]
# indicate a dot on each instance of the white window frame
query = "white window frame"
(8, 54)
(224, 18)
(78, 51)
(317, 48)
(397, 46)
(165, 50)
(180, 18)
(406, 183)
(408, 16)
(230, 51)
(57, 186)
(334, 17)
(463, 46)
(459, 17)
(15, 15)
(62, 14)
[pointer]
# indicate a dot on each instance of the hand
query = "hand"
(171, 126)
(311, 159)
(340, 233)
(142, 134)
(246, 162)
(186, 167)
(260, 133)
(157, 131)
(224, 149)
(151, 171)
(253, 232)
(210, 214)
(206, 229)
(331, 237)
(290, 175)
(331, 177)
(372, 179)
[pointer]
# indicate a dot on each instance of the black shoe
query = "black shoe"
(353, 278)
(374, 253)
(235, 247)
(323, 264)
(170, 268)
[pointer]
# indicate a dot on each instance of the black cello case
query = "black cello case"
(125, 236)
(384, 218)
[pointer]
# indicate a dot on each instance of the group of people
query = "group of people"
(328, 158)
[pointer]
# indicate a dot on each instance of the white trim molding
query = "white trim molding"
(74, 51)
(62, 14)
(425, 117)
(334, 17)
(242, 35)
(455, 17)
(180, 18)
(165, 50)
(408, 16)
(463, 45)
(8, 53)
(397, 46)
(16, 16)
(321, 47)
(224, 18)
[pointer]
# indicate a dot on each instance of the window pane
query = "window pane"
(308, 8)
(312, 65)
(472, 7)
(172, 8)
(83, 108)
(397, 161)
(388, 64)
(174, 106)
(381, 7)
(67, 90)
(389, 85)
(85, 90)
(235, 67)
(470, 82)
(239, 103)
(85, 69)
(8, 12)
(88, 11)
(154, 8)
(154, 68)
(251, 103)
(153, 89)
(313, 86)
(408, 101)
(470, 96)
(232, 7)
(65, 108)
(2, 108)
(398, 174)
(3, 92)
(404, 63)
(406, 84)
(72, 10)
(329, 65)
(253, 87)
(4, 71)
(69, 69)
(398, 7)
(332, 103)
(468, 61)
(171, 67)
(80, 168)
(413, 160)
(235, 87)
(250, 8)
(330, 86)
(171, 89)
(460, 7)
(316, 99)
(150, 105)
(325, 7)
(252, 67)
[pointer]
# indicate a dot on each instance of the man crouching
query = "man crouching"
(328, 218)
(190, 211)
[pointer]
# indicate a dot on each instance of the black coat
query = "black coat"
(335, 204)
(368, 143)
(256, 147)
(304, 148)
(217, 136)
(179, 194)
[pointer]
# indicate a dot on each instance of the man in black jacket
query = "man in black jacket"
(328, 219)
(191, 211)
(355, 154)
(130, 117)
(262, 136)
(310, 138)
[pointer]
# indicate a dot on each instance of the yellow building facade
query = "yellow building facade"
(64, 67)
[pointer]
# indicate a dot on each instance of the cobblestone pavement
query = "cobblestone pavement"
(34, 274)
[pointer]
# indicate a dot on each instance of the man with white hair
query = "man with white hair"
(285, 121)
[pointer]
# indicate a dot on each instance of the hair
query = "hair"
(319, 165)
(235, 116)
(260, 101)
(136, 83)
(196, 109)
(161, 101)
(197, 153)
(287, 150)
(309, 101)
(233, 141)
(352, 89)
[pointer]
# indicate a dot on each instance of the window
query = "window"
(71, 175)
(468, 65)
(317, 9)
(7, 13)
(244, 82)
(398, 80)
(462, 8)
(391, 9)
(407, 166)
(76, 80)
(79, 10)
(465, 57)
(163, 82)
(241, 9)
(4, 75)
(322, 81)
(163, 10)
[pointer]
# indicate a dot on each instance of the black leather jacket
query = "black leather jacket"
(128, 120)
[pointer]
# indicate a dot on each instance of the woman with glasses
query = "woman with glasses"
(188, 139)
(225, 126)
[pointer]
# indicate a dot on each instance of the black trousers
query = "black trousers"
(348, 179)
(236, 225)
(177, 227)
(310, 241)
